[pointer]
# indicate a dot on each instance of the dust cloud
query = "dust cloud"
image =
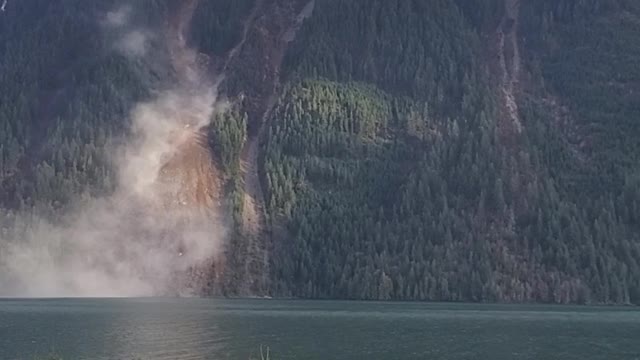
(160, 231)
(132, 40)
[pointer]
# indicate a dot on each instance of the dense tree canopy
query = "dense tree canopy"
(413, 191)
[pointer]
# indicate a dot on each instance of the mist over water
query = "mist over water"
(160, 230)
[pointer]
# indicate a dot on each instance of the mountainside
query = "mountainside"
(449, 150)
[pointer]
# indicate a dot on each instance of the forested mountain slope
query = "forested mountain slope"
(455, 150)
(394, 159)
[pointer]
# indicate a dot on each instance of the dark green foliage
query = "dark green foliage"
(433, 200)
(485, 15)
(417, 48)
(594, 68)
(228, 134)
(218, 24)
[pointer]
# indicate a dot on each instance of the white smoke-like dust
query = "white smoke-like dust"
(160, 227)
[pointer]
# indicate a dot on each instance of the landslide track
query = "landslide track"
(190, 177)
(253, 69)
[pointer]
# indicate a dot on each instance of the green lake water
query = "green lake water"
(159, 329)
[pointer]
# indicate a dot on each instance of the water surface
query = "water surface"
(159, 329)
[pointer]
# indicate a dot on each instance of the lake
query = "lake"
(158, 329)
